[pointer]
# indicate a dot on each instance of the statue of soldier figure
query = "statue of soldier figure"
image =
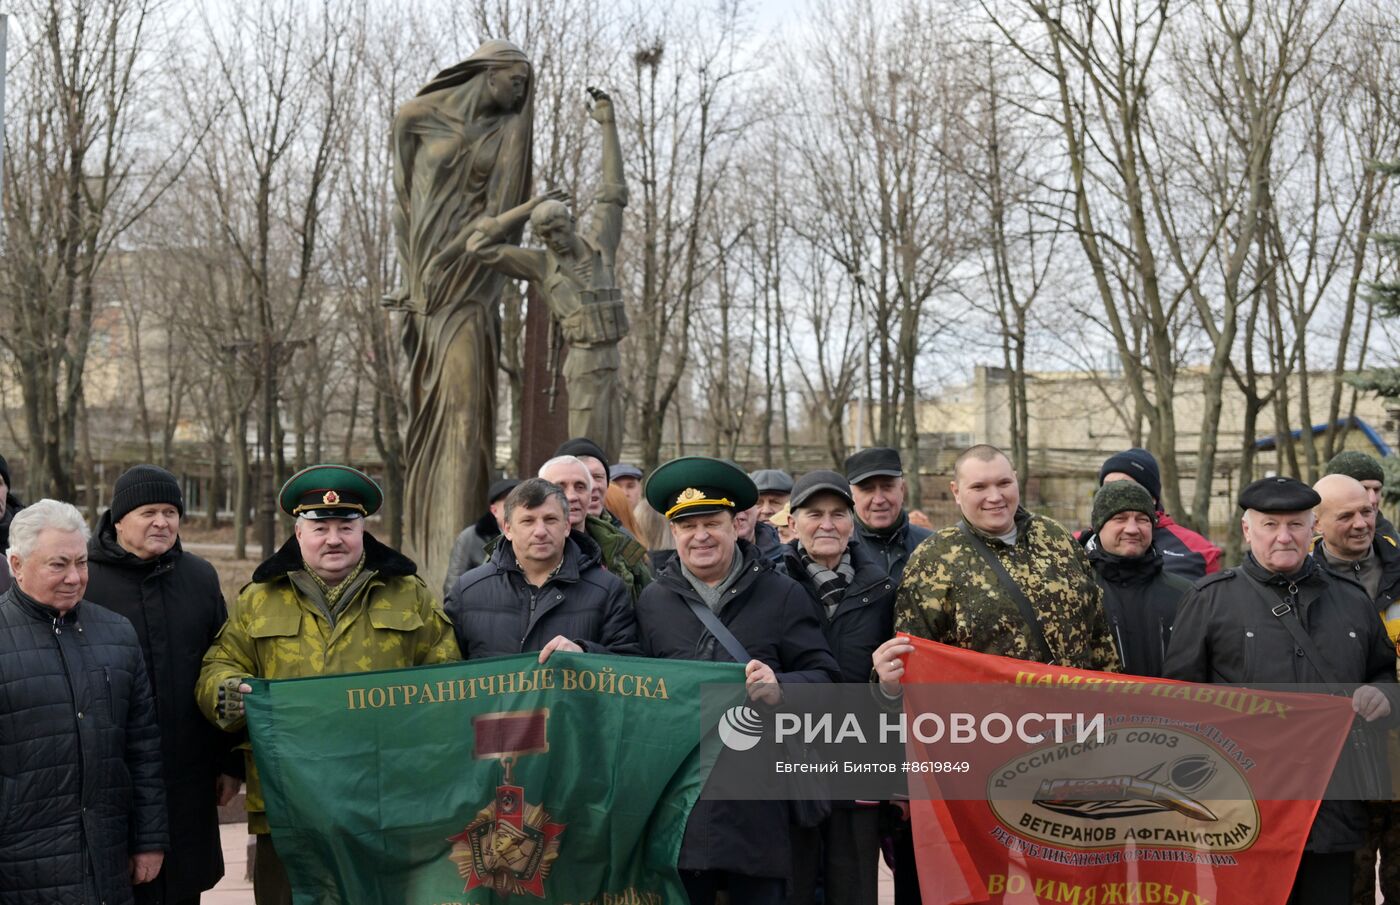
(575, 276)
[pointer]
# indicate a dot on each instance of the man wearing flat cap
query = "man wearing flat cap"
(627, 478)
(877, 483)
(1283, 617)
(469, 550)
(739, 845)
(853, 598)
(332, 600)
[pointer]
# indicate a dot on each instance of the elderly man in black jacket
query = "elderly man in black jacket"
(1248, 625)
(853, 599)
(743, 846)
(137, 568)
(545, 589)
(79, 745)
(1139, 596)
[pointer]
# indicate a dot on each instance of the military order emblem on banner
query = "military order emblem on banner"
(488, 780)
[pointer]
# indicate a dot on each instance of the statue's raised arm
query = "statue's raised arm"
(574, 274)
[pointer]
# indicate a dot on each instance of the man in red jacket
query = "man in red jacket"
(1184, 552)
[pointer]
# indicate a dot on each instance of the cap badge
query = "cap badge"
(331, 498)
(690, 495)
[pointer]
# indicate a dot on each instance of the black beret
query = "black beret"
(1278, 494)
(876, 461)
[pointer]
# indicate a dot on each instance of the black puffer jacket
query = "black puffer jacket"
(175, 605)
(1140, 599)
(772, 618)
(494, 611)
(12, 508)
(864, 619)
(80, 776)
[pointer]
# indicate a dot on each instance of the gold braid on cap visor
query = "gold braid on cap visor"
(307, 507)
(694, 501)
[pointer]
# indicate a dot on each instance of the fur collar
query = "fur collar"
(379, 558)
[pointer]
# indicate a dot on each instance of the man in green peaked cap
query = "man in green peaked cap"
(332, 600)
(741, 846)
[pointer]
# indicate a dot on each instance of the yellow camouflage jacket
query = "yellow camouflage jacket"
(276, 631)
(951, 595)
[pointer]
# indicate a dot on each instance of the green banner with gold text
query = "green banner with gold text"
(474, 782)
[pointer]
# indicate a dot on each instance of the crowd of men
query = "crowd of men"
(122, 724)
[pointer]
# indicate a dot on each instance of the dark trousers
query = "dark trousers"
(1323, 879)
(897, 839)
(1383, 838)
(270, 883)
(842, 853)
(702, 885)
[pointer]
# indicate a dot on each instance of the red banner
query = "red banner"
(1188, 794)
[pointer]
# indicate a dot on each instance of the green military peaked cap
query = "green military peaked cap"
(696, 485)
(330, 491)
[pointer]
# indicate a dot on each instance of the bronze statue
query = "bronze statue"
(462, 151)
(575, 276)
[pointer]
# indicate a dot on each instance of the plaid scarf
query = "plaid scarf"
(332, 594)
(830, 584)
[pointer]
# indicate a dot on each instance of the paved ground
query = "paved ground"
(235, 890)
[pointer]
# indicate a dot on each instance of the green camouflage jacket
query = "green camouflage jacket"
(951, 595)
(623, 556)
(277, 631)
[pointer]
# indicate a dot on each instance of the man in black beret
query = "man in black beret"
(1248, 625)
(469, 549)
(877, 486)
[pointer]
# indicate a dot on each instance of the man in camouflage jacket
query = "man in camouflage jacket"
(951, 594)
(331, 600)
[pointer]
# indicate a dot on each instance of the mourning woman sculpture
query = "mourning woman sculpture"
(462, 151)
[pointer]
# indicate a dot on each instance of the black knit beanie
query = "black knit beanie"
(582, 446)
(142, 485)
(1141, 465)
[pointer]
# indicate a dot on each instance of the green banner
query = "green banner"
(486, 780)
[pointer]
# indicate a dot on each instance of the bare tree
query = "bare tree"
(78, 173)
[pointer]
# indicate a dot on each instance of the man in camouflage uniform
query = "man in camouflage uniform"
(332, 600)
(951, 594)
